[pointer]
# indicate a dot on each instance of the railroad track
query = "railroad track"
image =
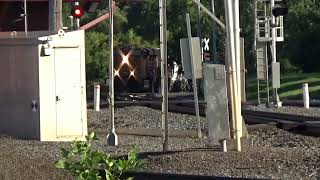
(182, 104)
(171, 176)
(302, 124)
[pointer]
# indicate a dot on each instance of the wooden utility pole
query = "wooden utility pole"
(55, 15)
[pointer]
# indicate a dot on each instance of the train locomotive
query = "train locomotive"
(136, 69)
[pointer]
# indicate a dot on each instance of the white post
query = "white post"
(71, 22)
(112, 138)
(274, 52)
(305, 95)
(96, 94)
(164, 74)
(194, 83)
(223, 145)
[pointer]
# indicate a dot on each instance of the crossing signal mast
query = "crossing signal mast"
(77, 11)
(268, 31)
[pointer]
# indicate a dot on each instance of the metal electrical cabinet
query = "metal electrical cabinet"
(215, 91)
(42, 86)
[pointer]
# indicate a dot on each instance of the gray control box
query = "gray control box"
(215, 91)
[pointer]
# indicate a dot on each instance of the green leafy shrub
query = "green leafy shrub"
(86, 163)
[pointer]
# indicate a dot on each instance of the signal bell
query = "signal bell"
(77, 11)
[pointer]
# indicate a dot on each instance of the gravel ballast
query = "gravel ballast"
(275, 154)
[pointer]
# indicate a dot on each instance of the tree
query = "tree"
(303, 34)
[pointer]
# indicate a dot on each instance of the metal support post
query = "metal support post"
(236, 30)
(112, 138)
(71, 22)
(58, 17)
(194, 83)
(274, 53)
(25, 15)
(52, 15)
(55, 15)
(78, 22)
(164, 77)
(199, 28)
(234, 84)
(214, 36)
(209, 13)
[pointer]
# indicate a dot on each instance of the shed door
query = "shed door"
(68, 91)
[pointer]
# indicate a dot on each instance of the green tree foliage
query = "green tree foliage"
(247, 32)
(302, 41)
(88, 164)
(96, 55)
(138, 24)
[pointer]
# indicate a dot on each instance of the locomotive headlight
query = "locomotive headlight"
(125, 58)
(116, 73)
(132, 73)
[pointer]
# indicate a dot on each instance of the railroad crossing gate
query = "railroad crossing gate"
(42, 86)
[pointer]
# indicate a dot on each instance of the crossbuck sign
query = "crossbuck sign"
(206, 43)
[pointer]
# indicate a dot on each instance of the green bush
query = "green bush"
(88, 164)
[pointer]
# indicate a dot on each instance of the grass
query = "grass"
(291, 86)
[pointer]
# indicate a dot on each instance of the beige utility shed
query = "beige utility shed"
(42, 86)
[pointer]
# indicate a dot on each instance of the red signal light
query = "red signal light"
(77, 11)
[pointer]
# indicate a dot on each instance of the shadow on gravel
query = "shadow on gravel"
(144, 155)
(300, 129)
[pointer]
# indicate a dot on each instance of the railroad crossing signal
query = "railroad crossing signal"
(279, 10)
(77, 11)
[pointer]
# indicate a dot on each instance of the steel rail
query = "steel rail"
(172, 176)
(279, 117)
